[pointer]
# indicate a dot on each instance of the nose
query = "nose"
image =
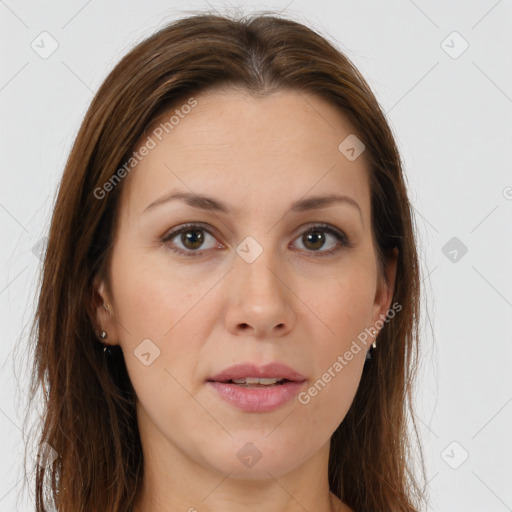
(259, 298)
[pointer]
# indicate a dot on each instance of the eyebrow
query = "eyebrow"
(211, 204)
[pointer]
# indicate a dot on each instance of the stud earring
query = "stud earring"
(103, 335)
(369, 356)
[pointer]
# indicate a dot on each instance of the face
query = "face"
(195, 290)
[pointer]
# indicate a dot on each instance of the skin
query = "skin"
(204, 313)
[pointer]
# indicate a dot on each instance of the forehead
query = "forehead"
(254, 153)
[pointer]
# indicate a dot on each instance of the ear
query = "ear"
(102, 312)
(384, 293)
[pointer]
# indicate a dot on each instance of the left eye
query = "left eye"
(192, 238)
(316, 237)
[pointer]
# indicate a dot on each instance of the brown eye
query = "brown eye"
(316, 238)
(190, 239)
(313, 240)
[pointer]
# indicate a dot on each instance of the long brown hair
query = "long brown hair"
(89, 421)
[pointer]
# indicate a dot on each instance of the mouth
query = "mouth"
(251, 374)
(255, 382)
(252, 388)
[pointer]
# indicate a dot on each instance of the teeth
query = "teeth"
(255, 380)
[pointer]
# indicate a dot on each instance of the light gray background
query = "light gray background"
(451, 115)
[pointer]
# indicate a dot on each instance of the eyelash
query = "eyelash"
(339, 235)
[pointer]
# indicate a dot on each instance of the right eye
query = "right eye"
(191, 236)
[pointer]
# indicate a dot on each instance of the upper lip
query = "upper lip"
(271, 370)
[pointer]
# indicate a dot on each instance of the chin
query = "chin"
(259, 459)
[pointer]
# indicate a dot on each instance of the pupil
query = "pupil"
(196, 239)
(315, 236)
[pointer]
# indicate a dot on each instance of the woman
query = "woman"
(228, 314)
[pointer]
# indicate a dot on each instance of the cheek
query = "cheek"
(344, 307)
(157, 313)
(151, 301)
(330, 393)
(341, 340)
(159, 317)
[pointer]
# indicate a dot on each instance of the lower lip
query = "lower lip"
(257, 399)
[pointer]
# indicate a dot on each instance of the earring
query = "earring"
(103, 335)
(369, 356)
